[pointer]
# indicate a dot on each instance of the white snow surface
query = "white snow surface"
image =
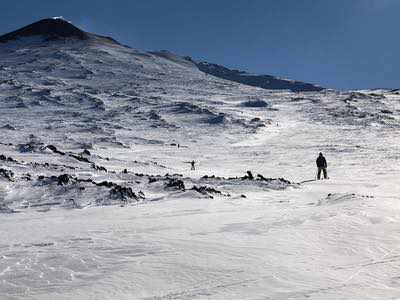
(303, 239)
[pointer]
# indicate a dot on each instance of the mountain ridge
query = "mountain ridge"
(58, 29)
(262, 81)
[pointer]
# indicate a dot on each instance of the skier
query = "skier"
(322, 165)
(192, 164)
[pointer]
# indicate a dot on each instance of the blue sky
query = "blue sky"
(343, 44)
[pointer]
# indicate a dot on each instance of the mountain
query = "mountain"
(51, 29)
(263, 81)
(98, 198)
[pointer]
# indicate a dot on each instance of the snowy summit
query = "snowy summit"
(52, 28)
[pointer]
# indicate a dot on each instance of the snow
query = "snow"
(329, 239)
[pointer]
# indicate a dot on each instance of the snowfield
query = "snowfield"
(97, 199)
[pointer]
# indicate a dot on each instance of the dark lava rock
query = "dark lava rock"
(8, 174)
(86, 152)
(99, 168)
(262, 178)
(206, 190)
(63, 179)
(152, 179)
(254, 103)
(386, 111)
(122, 193)
(27, 177)
(174, 184)
(210, 177)
(54, 149)
(106, 184)
(80, 158)
(249, 176)
(154, 116)
(255, 120)
(219, 119)
(5, 158)
(29, 147)
(8, 127)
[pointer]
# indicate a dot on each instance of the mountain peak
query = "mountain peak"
(49, 28)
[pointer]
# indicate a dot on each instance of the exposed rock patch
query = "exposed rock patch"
(7, 174)
(254, 103)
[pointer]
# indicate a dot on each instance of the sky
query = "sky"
(341, 44)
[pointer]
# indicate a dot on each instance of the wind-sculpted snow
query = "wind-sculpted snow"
(98, 198)
(342, 197)
(355, 108)
(35, 180)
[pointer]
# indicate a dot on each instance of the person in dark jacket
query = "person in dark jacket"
(322, 166)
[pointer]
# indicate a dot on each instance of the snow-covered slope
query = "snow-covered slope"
(97, 198)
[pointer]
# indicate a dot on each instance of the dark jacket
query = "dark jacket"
(321, 162)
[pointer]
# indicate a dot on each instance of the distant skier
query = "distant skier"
(322, 166)
(192, 164)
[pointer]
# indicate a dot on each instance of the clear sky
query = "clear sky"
(343, 44)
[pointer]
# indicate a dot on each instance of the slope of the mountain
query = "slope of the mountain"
(263, 81)
(98, 199)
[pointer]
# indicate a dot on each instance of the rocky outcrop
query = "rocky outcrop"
(7, 174)
(263, 81)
